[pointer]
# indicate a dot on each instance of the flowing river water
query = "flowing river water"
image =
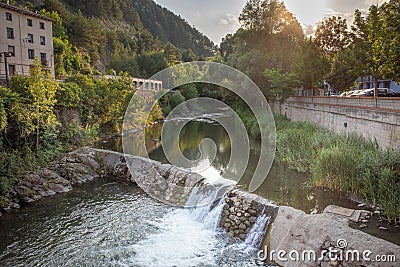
(114, 223)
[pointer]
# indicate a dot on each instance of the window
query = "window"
(8, 16)
(43, 59)
(30, 38)
(10, 33)
(11, 49)
(11, 70)
(31, 53)
(41, 25)
(29, 22)
(42, 40)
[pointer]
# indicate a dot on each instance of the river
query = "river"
(114, 223)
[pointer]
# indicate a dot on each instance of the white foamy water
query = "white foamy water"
(185, 237)
(189, 237)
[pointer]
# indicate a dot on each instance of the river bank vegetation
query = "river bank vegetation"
(344, 163)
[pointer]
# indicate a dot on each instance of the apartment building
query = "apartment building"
(24, 36)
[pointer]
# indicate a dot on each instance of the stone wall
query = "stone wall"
(241, 211)
(372, 118)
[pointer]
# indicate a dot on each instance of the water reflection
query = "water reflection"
(282, 185)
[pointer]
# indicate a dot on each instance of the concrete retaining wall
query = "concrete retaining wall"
(372, 118)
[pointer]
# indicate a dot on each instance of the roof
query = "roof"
(25, 12)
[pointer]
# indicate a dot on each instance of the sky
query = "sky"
(217, 18)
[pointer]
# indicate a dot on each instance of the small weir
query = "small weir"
(193, 236)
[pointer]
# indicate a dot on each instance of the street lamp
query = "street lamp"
(6, 55)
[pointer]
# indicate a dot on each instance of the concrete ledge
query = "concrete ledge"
(296, 230)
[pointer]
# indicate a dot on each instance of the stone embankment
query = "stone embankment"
(168, 183)
(58, 177)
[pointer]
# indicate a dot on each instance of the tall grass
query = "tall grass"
(344, 163)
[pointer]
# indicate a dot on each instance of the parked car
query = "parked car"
(366, 92)
(354, 93)
(347, 93)
(381, 92)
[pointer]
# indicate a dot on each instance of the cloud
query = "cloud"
(223, 22)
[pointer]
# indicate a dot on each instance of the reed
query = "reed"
(343, 163)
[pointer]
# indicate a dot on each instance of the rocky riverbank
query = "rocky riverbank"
(56, 178)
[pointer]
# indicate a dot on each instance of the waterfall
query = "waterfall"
(257, 232)
(184, 236)
(204, 211)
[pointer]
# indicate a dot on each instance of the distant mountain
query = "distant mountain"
(115, 33)
(167, 26)
(159, 21)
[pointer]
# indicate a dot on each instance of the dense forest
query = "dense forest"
(137, 36)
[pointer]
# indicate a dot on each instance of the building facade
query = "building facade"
(24, 36)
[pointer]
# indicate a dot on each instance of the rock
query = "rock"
(253, 219)
(37, 188)
(27, 200)
(294, 229)
(242, 226)
(383, 228)
(247, 215)
(364, 221)
(25, 183)
(334, 263)
(232, 217)
(50, 192)
(242, 236)
(227, 225)
(362, 226)
(14, 205)
(23, 190)
(42, 193)
(58, 188)
(36, 197)
(252, 212)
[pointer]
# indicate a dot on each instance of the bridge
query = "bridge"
(139, 83)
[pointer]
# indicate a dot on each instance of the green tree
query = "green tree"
(281, 84)
(176, 99)
(42, 89)
(270, 37)
(188, 56)
(345, 69)
(172, 54)
(332, 35)
(373, 45)
(310, 65)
